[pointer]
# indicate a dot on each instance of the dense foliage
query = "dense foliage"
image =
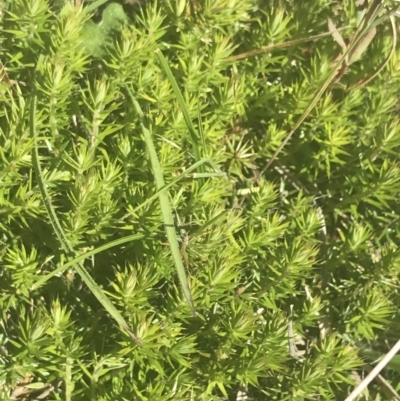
(317, 230)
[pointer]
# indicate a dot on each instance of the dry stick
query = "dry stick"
(363, 385)
(283, 45)
(387, 388)
(362, 28)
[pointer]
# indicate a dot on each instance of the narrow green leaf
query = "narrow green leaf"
(267, 49)
(372, 12)
(119, 241)
(208, 175)
(94, 288)
(384, 17)
(192, 132)
(165, 204)
(68, 379)
(84, 256)
(201, 131)
(218, 173)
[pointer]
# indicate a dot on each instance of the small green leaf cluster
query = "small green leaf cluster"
(318, 230)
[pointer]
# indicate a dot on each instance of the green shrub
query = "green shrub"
(317, 229)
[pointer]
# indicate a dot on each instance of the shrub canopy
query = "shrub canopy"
(105, 109)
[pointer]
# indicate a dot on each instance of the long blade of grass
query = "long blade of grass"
(119, 241)
(373, 10)
(192, 132)
(165, 204)
(94, 288)
(123, 240)
(292, 346)
(174, 181)
(384, 17)
(84, 256)
(266, 49)
(364, 26)
(201, 131)
(208, 175)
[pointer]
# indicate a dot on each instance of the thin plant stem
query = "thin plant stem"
(289, 43)
(371, 376)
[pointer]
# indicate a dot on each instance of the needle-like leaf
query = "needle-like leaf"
(94, 288)
(193, 135)
(119, 241)
(364, 26)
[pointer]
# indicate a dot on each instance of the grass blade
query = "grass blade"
(201, 131)
(81, 258)
(165, 205)
(119, 241)
(387, 388)
(94, 288)
(218, 173)
(192, 132)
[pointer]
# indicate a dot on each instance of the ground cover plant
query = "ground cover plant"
(198, 199)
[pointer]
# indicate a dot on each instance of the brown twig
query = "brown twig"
(374, 372)
(266, 49)
(387, 388)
